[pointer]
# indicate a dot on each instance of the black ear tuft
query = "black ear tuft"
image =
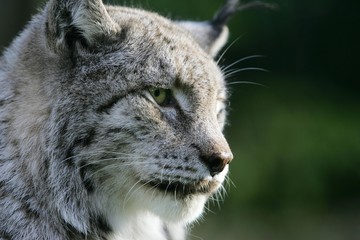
(212, 35)
(223, 15)
(233, 6)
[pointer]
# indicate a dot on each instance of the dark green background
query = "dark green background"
(296, 141)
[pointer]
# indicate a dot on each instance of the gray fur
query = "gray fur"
(85, 151)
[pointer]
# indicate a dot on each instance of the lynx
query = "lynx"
(111, 123)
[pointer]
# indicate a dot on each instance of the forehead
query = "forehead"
(168, 54)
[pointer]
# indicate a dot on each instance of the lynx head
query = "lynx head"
(134, 109)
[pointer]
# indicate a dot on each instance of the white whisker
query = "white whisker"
(137, 189)
(227, 49)
(95, 153)
(246, 82)
(228, 180)
(197, 237)
(232, 72)
(207, 208)
(241, 60)
(115, 161)
(127, 194)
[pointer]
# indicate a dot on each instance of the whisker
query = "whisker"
(98, 162)
(137, 189)
(246, 82)
(169, 184)
(102, 169)
(162, 172)
(94, 153)
(113, 163)
(154, 189)
(116, 165)
(197, 237)
(127, 194)
(175, 192)
(207, 208)
(241, 60)
(231, 73)
(228, 180)
(227, 49)
(224, 192)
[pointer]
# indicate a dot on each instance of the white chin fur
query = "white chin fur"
(141, 201)
(168, 207)
(179, 211)
(150, 212)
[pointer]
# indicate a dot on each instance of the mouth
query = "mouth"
(201, 187)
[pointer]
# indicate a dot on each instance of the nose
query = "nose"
(217, 162)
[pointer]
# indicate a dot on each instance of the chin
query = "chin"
(172, 202)
(183, 211)
(179, 203)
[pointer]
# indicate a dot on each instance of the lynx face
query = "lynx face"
(154, 118)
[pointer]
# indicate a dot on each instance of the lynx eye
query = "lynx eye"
(162, 96)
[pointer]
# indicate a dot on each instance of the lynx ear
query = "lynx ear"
(210, 38)
(212, 35)
(76, 21)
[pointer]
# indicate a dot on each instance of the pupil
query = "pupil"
(157, 93)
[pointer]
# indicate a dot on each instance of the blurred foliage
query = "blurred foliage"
(297, 140)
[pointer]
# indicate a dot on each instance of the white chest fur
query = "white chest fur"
(146, 226)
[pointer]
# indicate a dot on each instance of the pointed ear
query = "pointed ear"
(212, 35)
(210, 39)
(76, 21)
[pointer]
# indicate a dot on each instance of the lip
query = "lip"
(202, 187)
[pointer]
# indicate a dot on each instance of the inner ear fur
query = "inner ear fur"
(210, 38)
(76, 21)
(212, 35)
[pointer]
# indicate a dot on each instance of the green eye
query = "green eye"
(161, 96)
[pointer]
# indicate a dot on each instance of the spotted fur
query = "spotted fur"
(85, 150)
